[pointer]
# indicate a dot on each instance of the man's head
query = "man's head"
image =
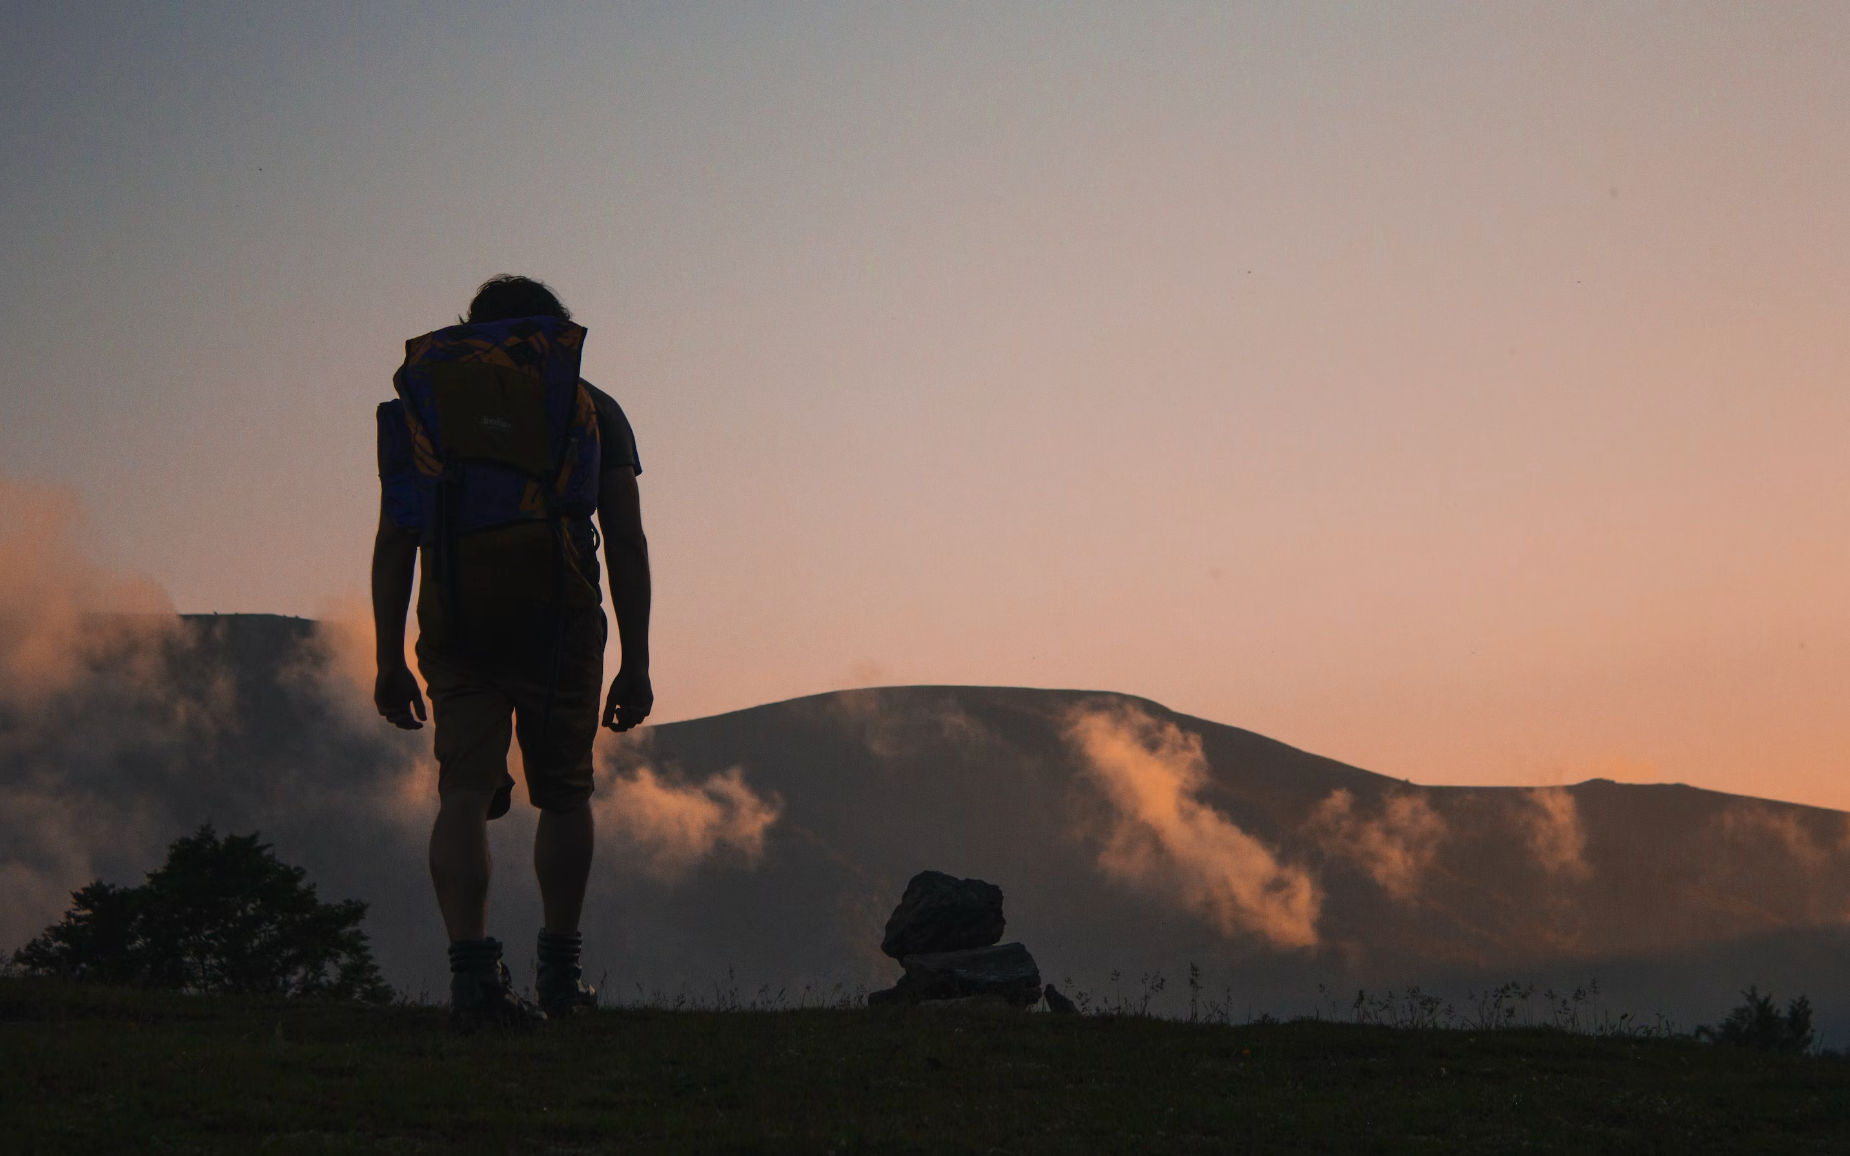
(507, 296)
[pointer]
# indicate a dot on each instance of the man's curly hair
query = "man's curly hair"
(507, 295)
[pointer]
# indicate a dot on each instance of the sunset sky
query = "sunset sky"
(1457, 390)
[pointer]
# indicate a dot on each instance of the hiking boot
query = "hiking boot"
(482, 992)
(560, 984)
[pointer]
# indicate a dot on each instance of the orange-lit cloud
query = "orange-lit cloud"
(1757, 824)
(674, 826)
(890, 734)
(53, 599)
(344, 629)
(1395, 847)
(1165, 839)
(84, 657)
(339, 665)
(118, 720)
(1551, 817)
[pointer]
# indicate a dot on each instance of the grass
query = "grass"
(87, 1069)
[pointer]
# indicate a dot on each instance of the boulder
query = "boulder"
(1006, 971)
(941, 913)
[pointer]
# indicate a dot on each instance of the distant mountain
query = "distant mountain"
(1277, 870)
(766, 846)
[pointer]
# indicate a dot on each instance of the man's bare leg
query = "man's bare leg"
(459, 865)
(562, 860)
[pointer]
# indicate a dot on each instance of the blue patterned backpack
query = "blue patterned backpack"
(488, 453)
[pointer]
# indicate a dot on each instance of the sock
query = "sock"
(474, 955)
(561, 951)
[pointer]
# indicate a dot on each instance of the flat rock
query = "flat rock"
(1005, 971)
(941, 913)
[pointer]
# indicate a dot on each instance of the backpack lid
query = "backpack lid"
(497, 392)
(499, 420)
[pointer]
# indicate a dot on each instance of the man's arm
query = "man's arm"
(626, 564)
(395, 690)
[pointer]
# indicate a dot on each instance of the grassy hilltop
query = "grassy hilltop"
(86, 1069)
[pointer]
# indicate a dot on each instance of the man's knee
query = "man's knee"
(464, 802)
(562, 802)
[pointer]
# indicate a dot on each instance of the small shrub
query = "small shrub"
(1757, 1023)
(221, 915)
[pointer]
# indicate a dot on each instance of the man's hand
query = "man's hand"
(631, 699)
(396, 694)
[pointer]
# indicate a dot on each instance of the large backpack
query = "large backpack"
(494, 448)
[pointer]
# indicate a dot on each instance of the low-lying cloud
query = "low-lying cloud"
(891, 734)
(1754, 824)
(1162, 837)
(84, 701)
(124, 726)
(1395, 846)
(673, 826)
(60, 614)
(335, 665)
(1550, 819)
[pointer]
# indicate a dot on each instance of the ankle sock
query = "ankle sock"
(560, 950)
(474, 955)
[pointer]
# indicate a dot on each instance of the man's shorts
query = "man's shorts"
(478, 706)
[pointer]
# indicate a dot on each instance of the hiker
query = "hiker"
(492, 461)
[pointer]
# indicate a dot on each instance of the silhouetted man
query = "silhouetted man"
(511, 631)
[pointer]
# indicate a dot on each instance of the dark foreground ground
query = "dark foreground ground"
(99, 1070)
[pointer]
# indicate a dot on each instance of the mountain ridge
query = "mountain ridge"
(770, 842)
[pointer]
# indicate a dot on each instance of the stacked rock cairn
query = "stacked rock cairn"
(944, 934)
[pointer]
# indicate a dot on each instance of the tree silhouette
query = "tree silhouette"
(1759, 1024)
(221, 915)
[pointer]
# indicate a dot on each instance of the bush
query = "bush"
(1758, 1024)
(221, 915)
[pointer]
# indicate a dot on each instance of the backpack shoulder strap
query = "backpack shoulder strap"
(575, 490)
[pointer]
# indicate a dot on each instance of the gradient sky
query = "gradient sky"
(1454, 390)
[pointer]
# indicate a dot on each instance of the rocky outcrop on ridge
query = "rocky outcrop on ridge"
(944, 934)
(940, 912)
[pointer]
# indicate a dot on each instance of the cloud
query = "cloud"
(60, 615)
(1164, 839)
(1395, 847)
(84, 696)
(124, 725)
(1551, 820)
(1770, 825)
(673, 826)
(335, 664)
(895, 722)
